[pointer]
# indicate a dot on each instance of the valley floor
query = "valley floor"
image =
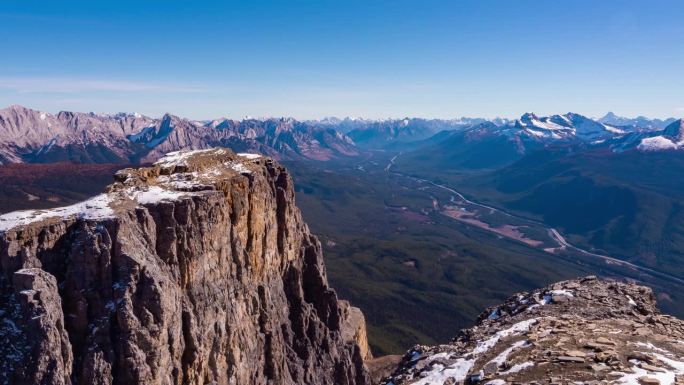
(422, 260)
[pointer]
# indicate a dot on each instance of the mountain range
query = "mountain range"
(639, 121)
(31, 136)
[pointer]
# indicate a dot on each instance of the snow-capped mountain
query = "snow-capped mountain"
(641, 122)
(28, 135)
(670, 138)
(488, 145)
(567, 126)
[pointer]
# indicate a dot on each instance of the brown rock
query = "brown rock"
(381, 367)
(594, 346)
(353, 327)
(576, 353)
(599, 367)
(41, 322)
(491, 368)
(560, 298)
(651, 368)
(605, 341)
(648, 381)
(570, 359)
(640, 356)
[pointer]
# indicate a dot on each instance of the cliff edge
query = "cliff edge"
(196, 270)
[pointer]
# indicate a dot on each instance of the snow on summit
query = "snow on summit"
(176, 175)
(94, 208)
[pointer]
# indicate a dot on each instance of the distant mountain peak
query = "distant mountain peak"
(528, 116)
(675, 130)
(640, 121)
(609, 115)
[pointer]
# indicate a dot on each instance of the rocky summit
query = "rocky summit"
(197, 270)
(585, 331)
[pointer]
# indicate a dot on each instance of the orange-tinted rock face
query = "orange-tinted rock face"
(198, 270)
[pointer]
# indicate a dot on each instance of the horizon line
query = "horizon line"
(348, 117)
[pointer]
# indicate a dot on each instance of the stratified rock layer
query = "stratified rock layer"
(198, 270)
(585, 331)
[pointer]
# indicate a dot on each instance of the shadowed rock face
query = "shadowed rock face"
(580, 331)
(197, 270)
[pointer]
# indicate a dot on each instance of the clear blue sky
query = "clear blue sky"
(375, 59)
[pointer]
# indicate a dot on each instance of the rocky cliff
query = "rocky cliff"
(197, 270)
(585, 331)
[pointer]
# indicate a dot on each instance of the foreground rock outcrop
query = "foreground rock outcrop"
(197, 270)
(585, 331)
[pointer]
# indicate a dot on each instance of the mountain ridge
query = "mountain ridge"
(32, 136)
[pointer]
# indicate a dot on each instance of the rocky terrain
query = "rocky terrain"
(32, 136)
(196, 270)
(585, 331)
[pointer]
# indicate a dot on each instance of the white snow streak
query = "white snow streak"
(94, 208)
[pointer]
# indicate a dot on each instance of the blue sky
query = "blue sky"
(375, 59)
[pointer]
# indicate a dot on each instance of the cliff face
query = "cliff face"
(197, 270)
(585, 331)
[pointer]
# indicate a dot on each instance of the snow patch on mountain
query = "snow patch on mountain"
(155, 194)
(179, 158)
(614, 130)
(459, 369)
(656, 143)
(94, 208)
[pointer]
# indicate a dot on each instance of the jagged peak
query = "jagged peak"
(675, 129)
(169, 117)
(528, 116)
(487, 125)
(17, 107)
